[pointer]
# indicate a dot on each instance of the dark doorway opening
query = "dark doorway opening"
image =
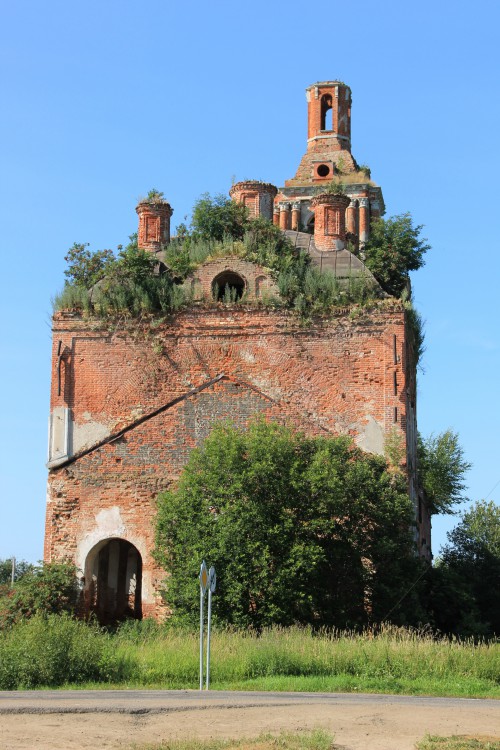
(228, 287)
(113, 581)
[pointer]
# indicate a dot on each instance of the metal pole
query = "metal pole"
(201, 636)
(208, 636)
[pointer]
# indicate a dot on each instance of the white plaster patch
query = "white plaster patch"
(371, 437)
(88, 433)
(108, 524)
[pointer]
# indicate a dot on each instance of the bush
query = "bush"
(54, 650)
(302, 528)
(214, 218)
(393, 249)
(49, 588)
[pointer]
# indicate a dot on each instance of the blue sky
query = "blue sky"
(104, 100)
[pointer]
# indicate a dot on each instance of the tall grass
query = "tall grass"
(396, 652)
(57, 650)
(53, 650)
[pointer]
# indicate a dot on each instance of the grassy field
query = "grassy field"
(60, 651)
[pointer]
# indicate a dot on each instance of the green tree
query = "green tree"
(299, 529)
(395, 248)
(48, 588)
(442, 468)
(465, 595)
(22, 567)
(86, 267)
(217, 217)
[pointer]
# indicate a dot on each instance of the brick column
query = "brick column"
(295, 216)
(351, 216)
(284, 215)
(276, 216)
(154, 224)
(364, 220)
(329, 220)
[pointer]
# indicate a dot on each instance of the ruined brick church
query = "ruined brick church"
(129, 403)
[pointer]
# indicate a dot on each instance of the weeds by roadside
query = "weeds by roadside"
(56, 651)
(317, 739)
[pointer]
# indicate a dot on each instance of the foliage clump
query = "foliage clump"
(464, 596)
(303, 530)
(51, 650)
(21, 568)
(104, 284)
(48, 588)
(442, 468)
(395, 248)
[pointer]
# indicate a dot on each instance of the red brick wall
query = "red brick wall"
(346, 375)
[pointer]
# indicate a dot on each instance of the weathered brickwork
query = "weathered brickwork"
(329, 221)
(154, 224)
(256, 282)
(344, 376)
(257, 196)
(130, 400)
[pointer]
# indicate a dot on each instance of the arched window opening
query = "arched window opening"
(326, 112)
(113, 581)
(228, 287)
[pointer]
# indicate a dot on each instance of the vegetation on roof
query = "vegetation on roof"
(133, 282)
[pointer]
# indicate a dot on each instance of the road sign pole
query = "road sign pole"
(212, 579)
(208, 636)
(201, 638)
(202, 596)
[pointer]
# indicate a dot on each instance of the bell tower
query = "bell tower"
(328, 152)
(329, 114)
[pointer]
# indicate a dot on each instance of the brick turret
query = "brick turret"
(329, 220)
(328, 134)
(329, 114)
(257, 196)
(154, 224)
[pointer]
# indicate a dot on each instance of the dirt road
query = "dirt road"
(80, 720)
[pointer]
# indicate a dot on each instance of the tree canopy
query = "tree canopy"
(218, 216)
(395, 248)
(307, 530)
(442, 468)
(465, 592)
(21, 568)
(46, 588)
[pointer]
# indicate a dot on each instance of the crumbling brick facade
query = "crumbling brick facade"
(129, 401)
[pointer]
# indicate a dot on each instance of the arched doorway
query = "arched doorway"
(113, 581)
(228, 286)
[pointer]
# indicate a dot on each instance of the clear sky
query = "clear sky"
(102, 101)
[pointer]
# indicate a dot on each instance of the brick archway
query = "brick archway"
(113, 581)
(228, 282)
